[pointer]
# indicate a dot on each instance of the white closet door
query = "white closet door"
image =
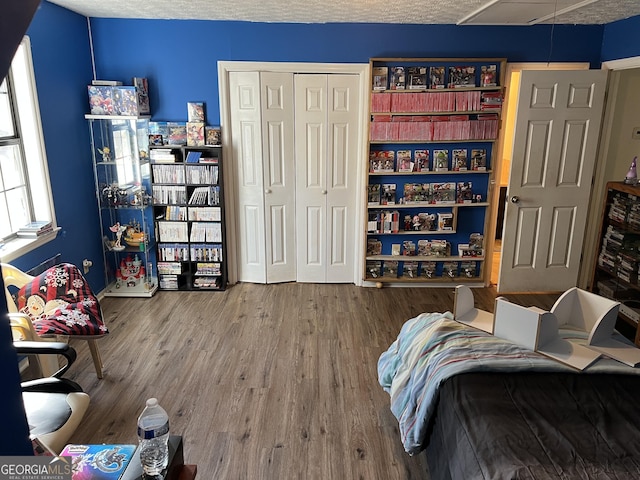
(278, 176)
(326, 129)
(246, 139)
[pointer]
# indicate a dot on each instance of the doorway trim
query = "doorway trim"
(229, 173)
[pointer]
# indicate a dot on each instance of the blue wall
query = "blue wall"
(62, 65)
(180, 56)
(621, 39)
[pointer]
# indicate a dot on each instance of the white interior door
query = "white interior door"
(555, 144)
(246, 144)
(326, 133)
(278, 176)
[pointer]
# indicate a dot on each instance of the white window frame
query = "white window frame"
(32, 139)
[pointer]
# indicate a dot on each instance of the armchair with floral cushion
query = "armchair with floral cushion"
(58, 302)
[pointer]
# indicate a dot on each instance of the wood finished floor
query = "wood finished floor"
(262, 381)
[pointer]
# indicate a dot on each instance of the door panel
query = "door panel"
(327, 132)
(555, 143)
(279, 179)
(246, 140)
(341, 195)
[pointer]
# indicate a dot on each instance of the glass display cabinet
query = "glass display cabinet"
(119, 147)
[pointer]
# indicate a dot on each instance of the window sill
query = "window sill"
(17, 247)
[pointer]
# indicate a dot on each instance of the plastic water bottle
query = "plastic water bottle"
(153, 433)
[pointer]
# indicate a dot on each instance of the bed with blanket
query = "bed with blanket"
(485, 408)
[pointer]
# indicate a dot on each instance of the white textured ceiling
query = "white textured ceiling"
(330, 11)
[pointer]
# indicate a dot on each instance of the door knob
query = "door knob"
(324, 192)
(267, 190)
(515, 199)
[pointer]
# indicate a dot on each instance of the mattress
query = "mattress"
(535, 425)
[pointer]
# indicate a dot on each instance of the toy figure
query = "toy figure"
(118, 230)
(106, 154)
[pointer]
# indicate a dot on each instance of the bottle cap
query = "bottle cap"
(152, 402)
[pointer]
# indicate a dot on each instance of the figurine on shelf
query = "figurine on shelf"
(106, 154)
(118, 230)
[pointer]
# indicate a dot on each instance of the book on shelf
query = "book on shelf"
(464, 192)
(159, 128)
(397, 78)
(106, 83)
(437, 77)
(380, 78)
(142, 93)
(125, 100)
(193, 156)
(208, 268)
(441, 160)
(169, 268)
(404, 161)
(195, 134)
(388, 194)
(462, 76)
(155, 140)
(421, 161)
(417, 78)
(177, 133)
(488, 75)
(443, 192)
(373, 197)
(101, 100)
(459, 160)
(213, 135)
(478, 159)
(98, 462)
(195, 112)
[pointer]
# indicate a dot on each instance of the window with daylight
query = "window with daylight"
(25, 190)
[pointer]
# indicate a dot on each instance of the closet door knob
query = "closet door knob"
(515, 199)
(267, 190)
(324, 192)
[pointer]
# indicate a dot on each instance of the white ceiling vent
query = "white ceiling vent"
(521, 12)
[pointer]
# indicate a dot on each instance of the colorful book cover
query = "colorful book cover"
(421, 161)
(397, 78)
(101, 100)
(98, 462)
(195, 111)
(213, 135)
(195, 134)
(125, 100)
(177, 133)
(460, 160)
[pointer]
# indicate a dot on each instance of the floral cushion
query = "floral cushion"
(60, 302)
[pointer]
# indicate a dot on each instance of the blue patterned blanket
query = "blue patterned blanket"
(433, 347)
